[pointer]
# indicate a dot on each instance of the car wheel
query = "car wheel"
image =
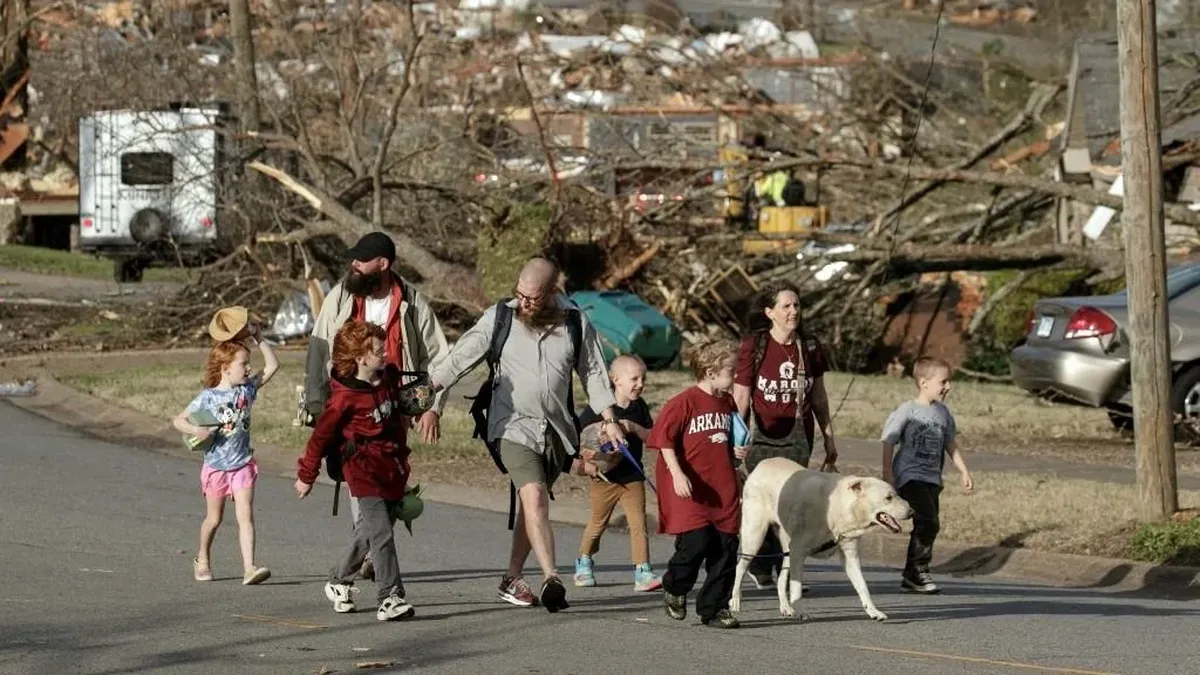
(1185, 393)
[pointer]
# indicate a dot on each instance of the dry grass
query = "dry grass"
(164, 391)
(983, 411)
(991, 417)
(1040, 512)
(1016, 509)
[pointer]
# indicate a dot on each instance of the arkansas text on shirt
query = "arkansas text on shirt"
(696, 425)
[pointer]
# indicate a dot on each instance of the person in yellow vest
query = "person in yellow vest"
(768, 186)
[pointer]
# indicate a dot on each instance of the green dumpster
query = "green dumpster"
(626, 324)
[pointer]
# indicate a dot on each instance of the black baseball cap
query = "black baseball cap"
(372, 246)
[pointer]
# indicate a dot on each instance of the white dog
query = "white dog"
(813, 512)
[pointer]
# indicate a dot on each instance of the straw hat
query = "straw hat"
(228, 322)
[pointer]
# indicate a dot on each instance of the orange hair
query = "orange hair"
(352, 342)
(219, 357)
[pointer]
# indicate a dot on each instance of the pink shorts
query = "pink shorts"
(218, 483)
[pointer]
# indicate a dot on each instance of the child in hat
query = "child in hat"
(218, 423)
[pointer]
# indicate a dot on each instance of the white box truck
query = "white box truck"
(150, 186)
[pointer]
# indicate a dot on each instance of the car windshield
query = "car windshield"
(1179, 280)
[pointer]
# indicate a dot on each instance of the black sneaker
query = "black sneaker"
(722, 619)
(554, 595)
(920, 582)
(676, 606)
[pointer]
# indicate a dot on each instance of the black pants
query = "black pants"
(923, 498)
(716, 551)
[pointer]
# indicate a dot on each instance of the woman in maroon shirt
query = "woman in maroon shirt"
(780, 379)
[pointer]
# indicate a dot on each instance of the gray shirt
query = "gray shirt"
(533, 378)
(922, 434)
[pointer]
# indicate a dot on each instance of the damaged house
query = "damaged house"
(1091, 140)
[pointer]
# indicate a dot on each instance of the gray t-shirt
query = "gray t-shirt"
(922, 435)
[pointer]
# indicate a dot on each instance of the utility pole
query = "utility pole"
(1145, 260)
(243, 64)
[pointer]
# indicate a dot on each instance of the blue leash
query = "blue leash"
(623, 448)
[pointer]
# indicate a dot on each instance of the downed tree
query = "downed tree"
(456, 285)
(1178, 213)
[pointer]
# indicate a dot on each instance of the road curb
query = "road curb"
(113, 423)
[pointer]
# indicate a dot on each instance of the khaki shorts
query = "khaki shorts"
(526, 466)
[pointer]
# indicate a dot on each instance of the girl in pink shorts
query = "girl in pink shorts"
(218, 420)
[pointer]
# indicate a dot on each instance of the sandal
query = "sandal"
(201, 571)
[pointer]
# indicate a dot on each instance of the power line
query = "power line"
(912, 144)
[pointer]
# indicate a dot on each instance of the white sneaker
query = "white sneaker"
(394, 607)
(341, 596)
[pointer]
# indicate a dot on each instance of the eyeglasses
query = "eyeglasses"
(532, 299)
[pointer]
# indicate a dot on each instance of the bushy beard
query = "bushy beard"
(361, 285)
(548, 316)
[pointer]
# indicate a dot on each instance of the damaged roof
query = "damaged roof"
(1094, 100)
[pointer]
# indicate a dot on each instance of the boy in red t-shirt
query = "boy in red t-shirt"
(699, 499)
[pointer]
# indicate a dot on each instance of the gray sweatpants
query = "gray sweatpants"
(356, 517)
(374, 535)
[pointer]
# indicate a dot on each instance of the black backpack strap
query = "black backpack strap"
(575, 329)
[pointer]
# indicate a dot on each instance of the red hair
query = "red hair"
(352, 342)
(219, 357)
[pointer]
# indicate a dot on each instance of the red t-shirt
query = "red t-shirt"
(696, 425)
(773, 387)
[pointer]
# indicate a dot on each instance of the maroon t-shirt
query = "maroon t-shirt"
(773, 387)
(696, 425)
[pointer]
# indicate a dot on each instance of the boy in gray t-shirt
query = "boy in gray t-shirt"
(925, 431)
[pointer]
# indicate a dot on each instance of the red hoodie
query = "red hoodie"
(362, 413)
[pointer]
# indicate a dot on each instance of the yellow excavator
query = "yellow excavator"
(773, 204)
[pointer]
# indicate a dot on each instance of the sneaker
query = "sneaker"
(676, 606)
(554, 596)
(645, 580)
(341, 596)
(515, 591)
(921, 582)
(394, 608)
(584, 576)
(722, 619)
(367, 571)
(201, 570)
(256, 576)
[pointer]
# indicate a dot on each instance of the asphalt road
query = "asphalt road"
(96, 539)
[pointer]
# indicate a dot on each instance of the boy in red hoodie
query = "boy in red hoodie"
(362, 415)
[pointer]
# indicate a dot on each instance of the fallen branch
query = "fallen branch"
(951, 258)
(1041, 97)
(1177, 213)
(994, 299)
(454, 284)
(622, 273)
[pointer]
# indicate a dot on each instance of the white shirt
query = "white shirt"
(377, 310)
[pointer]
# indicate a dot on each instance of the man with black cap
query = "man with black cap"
(372, 292)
